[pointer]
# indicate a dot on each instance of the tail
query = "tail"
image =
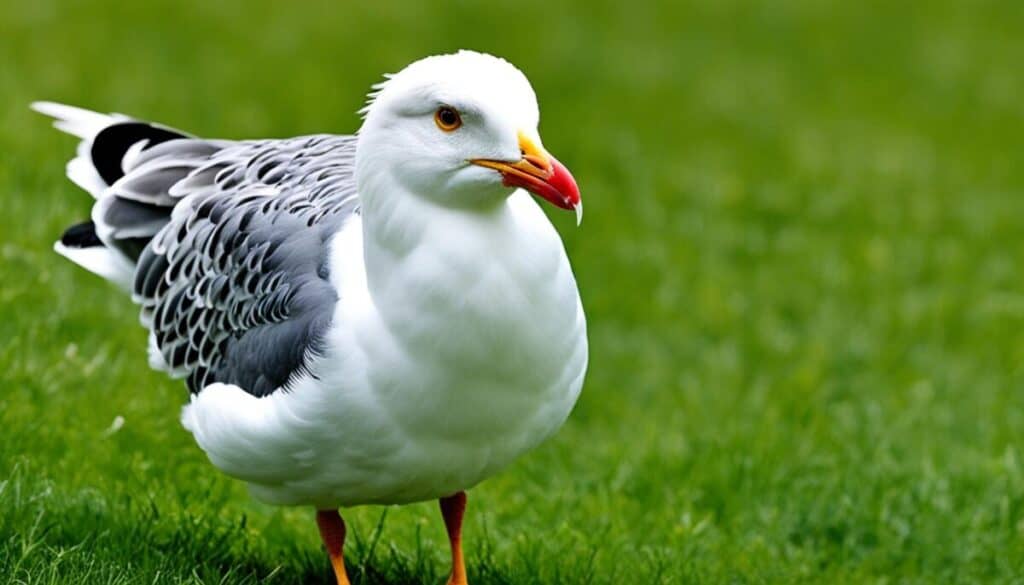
(128, 211)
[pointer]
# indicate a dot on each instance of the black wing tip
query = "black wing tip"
(81, 235)
(110, 145)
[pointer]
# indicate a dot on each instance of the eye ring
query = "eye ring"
(447, 119)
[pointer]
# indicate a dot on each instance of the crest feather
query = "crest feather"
(375, 90)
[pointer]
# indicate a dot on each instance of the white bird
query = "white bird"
(374, 319)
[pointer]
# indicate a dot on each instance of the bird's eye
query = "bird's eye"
(447, 118)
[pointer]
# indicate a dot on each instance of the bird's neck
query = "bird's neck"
(411, 244)
(428, 264)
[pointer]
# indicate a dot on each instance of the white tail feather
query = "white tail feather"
(79, 122)
(84, 124)
(101, 261)
(82, 173)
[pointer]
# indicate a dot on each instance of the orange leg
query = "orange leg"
(452, 509)
(332, 531)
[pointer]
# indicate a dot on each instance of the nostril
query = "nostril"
(536, 162)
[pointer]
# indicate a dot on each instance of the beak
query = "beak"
(541, 174)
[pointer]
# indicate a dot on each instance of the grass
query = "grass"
(801, 263)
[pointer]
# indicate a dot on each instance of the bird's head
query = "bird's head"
(461, 130)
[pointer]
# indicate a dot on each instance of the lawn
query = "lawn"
(801, 263)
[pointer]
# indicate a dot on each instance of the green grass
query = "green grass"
(802, 265)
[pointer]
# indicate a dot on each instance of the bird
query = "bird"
(381, 318)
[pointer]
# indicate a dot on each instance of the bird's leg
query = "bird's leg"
(332, 531)
(452, 509)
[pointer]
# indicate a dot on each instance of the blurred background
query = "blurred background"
(801, 263)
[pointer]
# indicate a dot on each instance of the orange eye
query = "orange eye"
(447, 118)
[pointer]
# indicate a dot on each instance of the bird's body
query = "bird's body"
(415, 396)
(378, 319)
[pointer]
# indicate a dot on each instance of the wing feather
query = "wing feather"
(235, 288)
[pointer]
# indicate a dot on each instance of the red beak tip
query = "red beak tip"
(563, 181)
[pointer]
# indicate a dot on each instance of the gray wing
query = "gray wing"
(235, 287)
